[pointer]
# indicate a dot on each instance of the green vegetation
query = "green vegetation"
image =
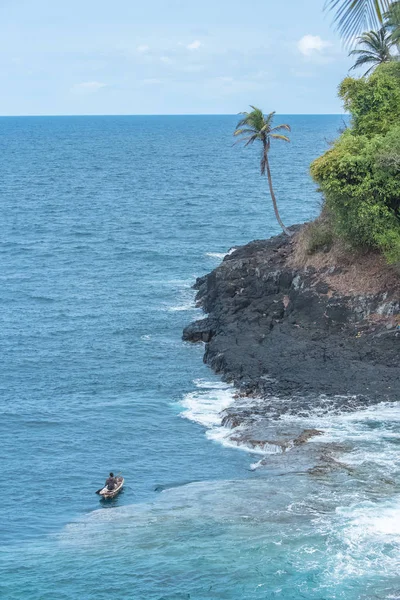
(318, 235)
(375, 49)
(360, 175)
(257, 127)
(392, 21)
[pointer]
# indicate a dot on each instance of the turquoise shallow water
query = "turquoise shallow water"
(106, 221)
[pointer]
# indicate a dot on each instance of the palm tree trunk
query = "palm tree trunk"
(278, 217)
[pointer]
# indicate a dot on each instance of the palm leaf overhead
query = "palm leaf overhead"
(374, 49)
(353, 17)
(253, 127)
(392, 21)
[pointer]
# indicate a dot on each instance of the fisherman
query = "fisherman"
(111, 482)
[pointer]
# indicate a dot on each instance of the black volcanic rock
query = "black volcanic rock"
(278, 331)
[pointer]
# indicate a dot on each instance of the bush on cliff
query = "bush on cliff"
(360, 174)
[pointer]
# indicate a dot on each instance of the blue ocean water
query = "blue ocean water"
(106, 222)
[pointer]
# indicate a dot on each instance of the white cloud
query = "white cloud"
(194, 45)
(166, 60)
(87, 87)
(309, 44)
(143, 49)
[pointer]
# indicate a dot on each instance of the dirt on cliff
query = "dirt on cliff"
(348, 271)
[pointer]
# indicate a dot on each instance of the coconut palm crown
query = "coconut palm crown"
(374, 49)
(257, 127)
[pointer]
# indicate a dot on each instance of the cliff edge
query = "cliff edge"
(319, 330)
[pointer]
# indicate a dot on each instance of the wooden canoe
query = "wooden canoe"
(105, 493)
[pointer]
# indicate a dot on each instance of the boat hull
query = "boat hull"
(105, 493)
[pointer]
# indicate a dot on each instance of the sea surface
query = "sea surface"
(105, 224)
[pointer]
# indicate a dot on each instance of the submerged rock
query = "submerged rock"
(305, 436)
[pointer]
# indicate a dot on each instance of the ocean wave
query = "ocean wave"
(219, 255)
(369, 437)
(310, 546)
(372, 434)
(204, 407)
(184, 297)
(365, 539)
(182, 307)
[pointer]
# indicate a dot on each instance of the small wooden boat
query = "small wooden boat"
(106, 493)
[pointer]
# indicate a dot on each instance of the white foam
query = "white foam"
(186, 300)
(180, 283)
(217, 255)
(220, 255)
(223, 435)
(374, 520)
(211, 385)
(370, 436)
(182, 307)
(369, 540)
(373, 432)
(205, 406)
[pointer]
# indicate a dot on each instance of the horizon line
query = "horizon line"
(164, 115)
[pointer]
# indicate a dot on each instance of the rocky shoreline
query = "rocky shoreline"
(292, 340)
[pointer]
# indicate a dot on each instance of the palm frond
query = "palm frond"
(245, 120)
(278, 136)
(392, 21)
(269, 118)
(280, 127)
(244, 130)
(249, 139)
(368, 71)
(352, 17)
(357, 51)
(363, 60)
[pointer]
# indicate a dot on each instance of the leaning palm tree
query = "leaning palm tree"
(392, 22)
(374, 49)
(353, 17)
(255, 126)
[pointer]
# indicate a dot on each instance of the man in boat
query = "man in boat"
(111, 482)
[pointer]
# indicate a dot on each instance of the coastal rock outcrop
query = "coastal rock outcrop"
(320, 334)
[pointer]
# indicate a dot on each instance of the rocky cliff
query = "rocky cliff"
(325, 333)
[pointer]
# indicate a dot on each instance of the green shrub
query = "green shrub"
(360, 174)
(373, 102)
(388, 157)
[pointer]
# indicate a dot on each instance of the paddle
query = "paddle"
(98, 491)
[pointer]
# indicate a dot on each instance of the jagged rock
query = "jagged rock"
(198, 331)
(275, 330)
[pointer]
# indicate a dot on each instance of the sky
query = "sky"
(103, 57)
